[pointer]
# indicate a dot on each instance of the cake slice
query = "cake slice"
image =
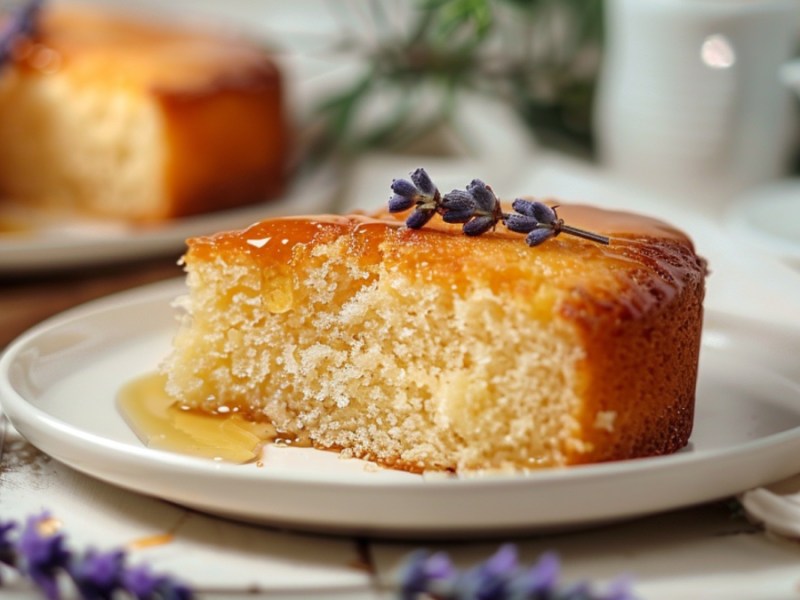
(430, 350)
(120, 116)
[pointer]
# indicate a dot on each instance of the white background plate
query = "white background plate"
(52, 243)
(58, 384)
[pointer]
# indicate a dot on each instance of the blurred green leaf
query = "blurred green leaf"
(507, 48)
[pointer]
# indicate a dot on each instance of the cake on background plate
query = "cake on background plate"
(430, 350)
(116, 115)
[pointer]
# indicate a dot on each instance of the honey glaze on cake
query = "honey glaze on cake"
(441, 252)
(432, 350)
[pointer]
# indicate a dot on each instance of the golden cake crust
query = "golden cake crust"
(634, 308)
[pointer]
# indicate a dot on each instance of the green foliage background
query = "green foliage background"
(540, 56)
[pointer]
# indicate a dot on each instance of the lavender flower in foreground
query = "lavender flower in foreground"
(425, 572)
(98, 574)
(142, 584)
(419, 192)
(538, 581)
(492, 579)
(21, 24)
(43, 554)
(40, 553)
(498, 578)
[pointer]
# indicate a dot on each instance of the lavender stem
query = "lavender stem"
(587, 235)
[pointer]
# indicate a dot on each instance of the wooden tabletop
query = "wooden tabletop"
(29, 299)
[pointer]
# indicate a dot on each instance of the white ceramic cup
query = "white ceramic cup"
(690, 98)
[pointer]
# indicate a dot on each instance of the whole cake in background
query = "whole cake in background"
(121, 116)
(425, 349)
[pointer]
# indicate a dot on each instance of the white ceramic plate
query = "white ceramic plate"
(58, 384)
(47, 243)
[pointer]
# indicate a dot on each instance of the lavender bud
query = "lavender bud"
(403, 187)
(142, 584)
(538, 210)
(413, 577)
(421, 193)
(439, 566)
(540, 581)
(492, 579)
(538, 236)
(419, 218)
(479, 225)
(398, 203)
(22, 23)
(97, 575)
(423, 182)
(458, 200)
(43, 555)
(503, 562)
(458, 216)
(483, 195)
(521, 223)
(458, 207)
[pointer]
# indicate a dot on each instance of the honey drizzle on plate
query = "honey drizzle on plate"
(164, 424)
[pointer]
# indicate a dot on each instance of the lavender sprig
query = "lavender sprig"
(541, 222)
(43, 554)
(143, 584)
(500, 577)
(419, 192)
(478, 208)
(22, 23)
(40, 553)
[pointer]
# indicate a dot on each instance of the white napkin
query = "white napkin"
(776, 507)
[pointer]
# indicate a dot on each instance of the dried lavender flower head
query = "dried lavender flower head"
(143, 584)
(501, 576)
(21, 24)
(98, 574)
(477, 208)
(419, 192)
(535, 218)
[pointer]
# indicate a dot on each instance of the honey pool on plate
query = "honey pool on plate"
(164, 424)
